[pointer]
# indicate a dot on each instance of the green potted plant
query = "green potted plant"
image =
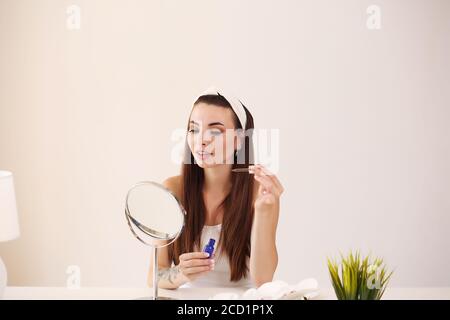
(357, 278)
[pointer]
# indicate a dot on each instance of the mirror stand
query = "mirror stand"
(155, 295)
(155, 273)
(143, 206)
(155, 278)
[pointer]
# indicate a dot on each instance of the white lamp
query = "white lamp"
(9, 222)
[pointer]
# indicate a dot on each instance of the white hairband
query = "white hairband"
(235, 103)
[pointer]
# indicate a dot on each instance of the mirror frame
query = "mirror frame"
(153, 233)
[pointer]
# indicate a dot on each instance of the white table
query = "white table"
(50, 293)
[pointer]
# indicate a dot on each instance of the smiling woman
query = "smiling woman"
(215, 129)
(238, 210)
(213, 142)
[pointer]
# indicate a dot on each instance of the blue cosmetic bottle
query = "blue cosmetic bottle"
(210, 247)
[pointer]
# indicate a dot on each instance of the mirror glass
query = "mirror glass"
(154, 214)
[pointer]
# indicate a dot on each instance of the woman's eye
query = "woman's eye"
(216, 132)
(212, 132)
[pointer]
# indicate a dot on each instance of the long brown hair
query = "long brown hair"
(237, 205)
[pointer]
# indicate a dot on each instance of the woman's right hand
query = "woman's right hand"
(195, 264)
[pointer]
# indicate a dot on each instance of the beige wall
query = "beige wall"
(363, 118)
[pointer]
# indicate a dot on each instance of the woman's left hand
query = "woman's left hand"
(270, 188)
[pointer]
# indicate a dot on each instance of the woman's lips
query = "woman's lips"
(204, 154)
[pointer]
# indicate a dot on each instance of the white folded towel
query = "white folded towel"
(275, 290)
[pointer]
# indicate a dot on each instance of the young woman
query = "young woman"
(239, 210)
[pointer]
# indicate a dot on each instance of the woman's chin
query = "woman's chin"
(206, 163)
(209, 162)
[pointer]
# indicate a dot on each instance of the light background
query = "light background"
(363, 118)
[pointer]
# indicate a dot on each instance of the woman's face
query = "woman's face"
(211, 135)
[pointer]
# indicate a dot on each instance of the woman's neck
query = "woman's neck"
(216, 187)
(218, 179)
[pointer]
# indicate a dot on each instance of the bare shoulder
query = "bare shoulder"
(174, 184)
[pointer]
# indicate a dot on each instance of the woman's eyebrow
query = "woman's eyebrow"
(216, 123)
(211, 124)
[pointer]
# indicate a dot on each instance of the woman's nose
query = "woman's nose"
(205, 137)
(204, 140)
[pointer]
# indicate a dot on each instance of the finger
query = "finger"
(262, 169)
(265, 182)
(268, 186)
(193, 255)
(270, 179)
(275, 179)
(197, 262)
(254, 168)
(196, 270)
(278, 183)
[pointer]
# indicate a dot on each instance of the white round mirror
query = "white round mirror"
(155, 217)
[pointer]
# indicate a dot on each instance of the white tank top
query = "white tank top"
(220, 276)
